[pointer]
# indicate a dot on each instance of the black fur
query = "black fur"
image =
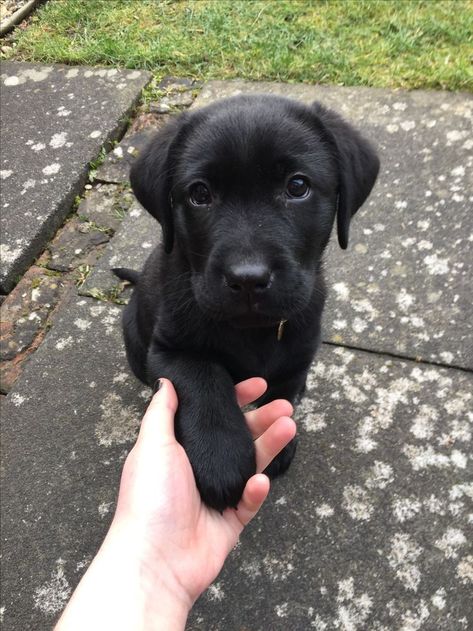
(206, 309)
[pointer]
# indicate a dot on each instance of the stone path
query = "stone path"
(371, 528)
(54, 120)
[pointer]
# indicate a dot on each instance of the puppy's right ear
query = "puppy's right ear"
(151, 177)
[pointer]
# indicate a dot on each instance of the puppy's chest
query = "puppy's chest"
(264, 356)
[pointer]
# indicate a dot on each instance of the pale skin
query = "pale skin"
(164, 546)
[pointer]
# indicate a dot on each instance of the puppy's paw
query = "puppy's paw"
(222, 458)
(281, 463)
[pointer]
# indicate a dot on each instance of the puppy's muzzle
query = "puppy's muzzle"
(248, 280)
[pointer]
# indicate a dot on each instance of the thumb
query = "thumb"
(157, 426)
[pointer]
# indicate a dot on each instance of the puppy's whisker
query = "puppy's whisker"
(203, 256)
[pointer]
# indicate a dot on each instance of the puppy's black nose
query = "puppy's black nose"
(248, 277)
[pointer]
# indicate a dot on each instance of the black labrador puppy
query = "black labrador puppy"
(246, 191)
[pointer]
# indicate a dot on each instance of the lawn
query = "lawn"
(384, 43)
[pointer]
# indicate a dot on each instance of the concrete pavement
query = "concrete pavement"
(372, 526)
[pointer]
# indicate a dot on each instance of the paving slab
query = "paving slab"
(138, 233)
(98, 216)
(405, 284)
(26, 315)
(61, 464)
(371, 527)
(54, 119)
(116, 166)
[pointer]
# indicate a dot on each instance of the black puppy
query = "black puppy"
(246, 191)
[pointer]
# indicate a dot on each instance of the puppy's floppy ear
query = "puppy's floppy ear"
(358, 166)
(151, 177)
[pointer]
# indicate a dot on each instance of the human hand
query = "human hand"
(165, 546)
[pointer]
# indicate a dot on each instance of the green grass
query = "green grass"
(401, 43)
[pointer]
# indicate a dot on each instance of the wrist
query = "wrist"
(121, 590)
(163, 602)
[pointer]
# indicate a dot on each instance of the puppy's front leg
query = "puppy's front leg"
(209, 425)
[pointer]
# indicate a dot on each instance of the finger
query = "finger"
(275, 438)
(249, 390)
(256, 491)
(259, 420)
(157, 426)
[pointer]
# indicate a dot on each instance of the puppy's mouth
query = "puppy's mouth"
(252, 313)
(252, 320)
(243, 318)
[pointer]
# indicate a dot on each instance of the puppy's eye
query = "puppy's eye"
(298, 187)
(199, 194)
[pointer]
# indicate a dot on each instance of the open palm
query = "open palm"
(179, 536)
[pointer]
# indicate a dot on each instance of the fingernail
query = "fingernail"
(157, 385)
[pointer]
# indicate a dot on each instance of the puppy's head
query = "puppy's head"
(247, 190)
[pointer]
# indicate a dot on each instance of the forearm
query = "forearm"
(117, 592)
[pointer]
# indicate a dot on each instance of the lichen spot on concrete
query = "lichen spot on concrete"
(341, 290)
(37, 75)
(18, 399)
(356, 502)
(58, 140)
(28, 184)
(9, 254)
(455, 135)
(51, 597)
(13, 80)
(52, 169)
(436, 266)
(324, 510)
(82, 324)
(118, 423)
(380, 475)
(120, 378)
(104, 508)
(215, 592)
(438, 599)
(65, 342)
(281, 610)
(405, 509)
(402, 559)
(458, 171)
(96, 310)
(399, 106)
(450, 542)
(465, 570)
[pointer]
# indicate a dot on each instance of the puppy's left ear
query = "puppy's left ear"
(358, 167)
